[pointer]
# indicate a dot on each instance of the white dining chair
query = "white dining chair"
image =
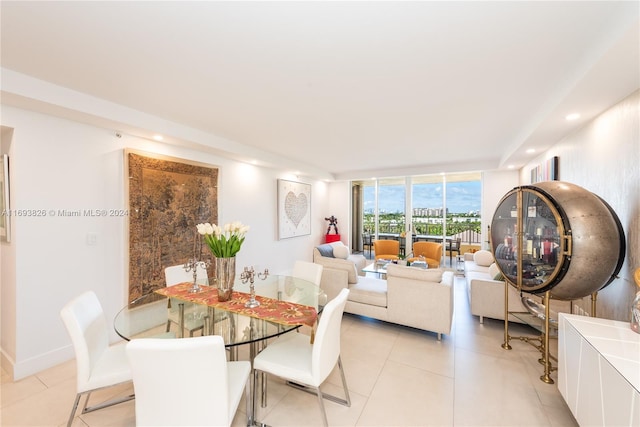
(186, 382)
(294, 358)
(177, 274)
(309, 271)
(98, 365)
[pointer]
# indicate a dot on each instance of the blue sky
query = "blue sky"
(462, 197)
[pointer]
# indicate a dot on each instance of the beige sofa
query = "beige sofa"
(409, 296)
(486, 294)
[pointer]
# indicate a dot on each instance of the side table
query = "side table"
(330, 238)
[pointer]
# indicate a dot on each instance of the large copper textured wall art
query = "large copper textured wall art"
(167, 198)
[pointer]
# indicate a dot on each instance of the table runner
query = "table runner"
(273, 310)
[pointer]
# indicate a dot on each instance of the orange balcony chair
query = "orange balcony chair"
(431, 251)
(386, 249)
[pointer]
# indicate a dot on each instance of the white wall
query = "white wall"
(340, 207)
(604, 157)
(59, 164)
(495, 184)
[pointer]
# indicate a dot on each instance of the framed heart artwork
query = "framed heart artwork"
(294, 209)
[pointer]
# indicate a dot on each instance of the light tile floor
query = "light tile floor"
(397, 376)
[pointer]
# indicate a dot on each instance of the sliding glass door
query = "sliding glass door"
(427, 207)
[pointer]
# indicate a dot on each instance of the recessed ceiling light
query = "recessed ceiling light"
(158, 137)
(531, 150)
(573, 116)
(510, 167)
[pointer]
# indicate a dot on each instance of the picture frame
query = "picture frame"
(167, 198)
(5, 208)
(294, 209)
(546, 171)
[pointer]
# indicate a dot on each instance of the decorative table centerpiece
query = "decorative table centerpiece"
(224, 243)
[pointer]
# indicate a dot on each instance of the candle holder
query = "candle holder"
(192, 265)
(248, 275)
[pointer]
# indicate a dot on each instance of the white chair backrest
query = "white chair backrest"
(177, 274)
(87, 326)
(326, 347)
(309, 271)
(180, 382)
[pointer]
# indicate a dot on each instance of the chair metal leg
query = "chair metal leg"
(345, 402)
(86, 409)
(73, 410)
(314, 390)
(344, 383)
(325, 423)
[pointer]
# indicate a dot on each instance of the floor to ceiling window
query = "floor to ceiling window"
(425, 207)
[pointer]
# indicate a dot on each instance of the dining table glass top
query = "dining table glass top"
(156, 315)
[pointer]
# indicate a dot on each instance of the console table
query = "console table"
(599, 370)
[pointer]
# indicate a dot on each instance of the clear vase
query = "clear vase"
(225, 276)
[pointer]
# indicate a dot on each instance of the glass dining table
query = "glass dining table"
(155, 315)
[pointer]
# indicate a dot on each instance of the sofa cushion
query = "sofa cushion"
(369, 290)
(495, 273)
(325, 250)
(427, 275)
(472, 266)
(341, 251)
(483, 258)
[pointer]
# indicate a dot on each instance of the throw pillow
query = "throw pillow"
(495, 272)
(341, 251)
(326, 250)
(483, 258)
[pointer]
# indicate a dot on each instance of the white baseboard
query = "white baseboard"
(33, 365)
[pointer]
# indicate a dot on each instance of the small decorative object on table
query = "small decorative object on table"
(192, 265)
(248, 275)
(224, 243)
(635, 306)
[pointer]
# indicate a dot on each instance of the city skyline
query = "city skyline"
(462, 197)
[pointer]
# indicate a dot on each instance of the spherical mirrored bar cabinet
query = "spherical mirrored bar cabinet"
(559, 241)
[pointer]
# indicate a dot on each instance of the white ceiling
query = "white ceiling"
(340, 89)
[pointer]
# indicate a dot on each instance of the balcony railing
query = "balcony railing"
(469, 232)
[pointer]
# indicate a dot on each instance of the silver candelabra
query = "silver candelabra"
(248, 275)
(192, 265)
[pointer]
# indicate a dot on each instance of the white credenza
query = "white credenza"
(599, 370)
